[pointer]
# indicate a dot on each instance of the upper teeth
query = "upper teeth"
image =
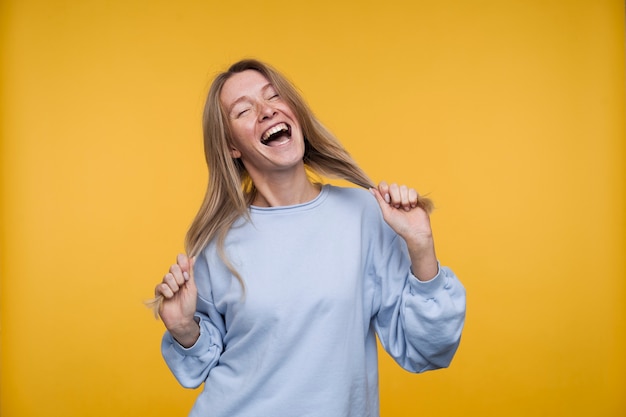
(269, 132)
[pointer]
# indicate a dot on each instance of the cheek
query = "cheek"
(290, 113)
(242, 134)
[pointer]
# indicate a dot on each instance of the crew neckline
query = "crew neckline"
(319, 198)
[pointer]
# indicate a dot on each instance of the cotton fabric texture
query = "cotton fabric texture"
(322, 279)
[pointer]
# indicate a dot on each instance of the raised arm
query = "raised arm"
(419, 321)
(193, 343)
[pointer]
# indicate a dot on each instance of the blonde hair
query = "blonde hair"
(230, 191)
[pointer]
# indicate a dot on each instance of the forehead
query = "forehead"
(242, 84)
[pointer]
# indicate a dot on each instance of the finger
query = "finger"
(170, 280)
(164, 290)
(178, 274)
(394, 194)
(191, 282)
(404, 198)
(413, 197)
(192, 265)
(183, 262)
(383, 188)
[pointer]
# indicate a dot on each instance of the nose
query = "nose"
(266, 111)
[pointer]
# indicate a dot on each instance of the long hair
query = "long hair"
(230, 191)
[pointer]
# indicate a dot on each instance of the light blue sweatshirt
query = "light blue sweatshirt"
(321, 280)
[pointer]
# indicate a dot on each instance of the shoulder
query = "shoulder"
(355, 200)
(351, 195)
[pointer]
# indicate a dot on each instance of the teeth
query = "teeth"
(278, 128)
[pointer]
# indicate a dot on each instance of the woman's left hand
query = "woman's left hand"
(401, 209)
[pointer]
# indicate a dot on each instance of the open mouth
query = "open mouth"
(276, 135)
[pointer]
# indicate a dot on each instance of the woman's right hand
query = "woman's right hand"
(179, 293)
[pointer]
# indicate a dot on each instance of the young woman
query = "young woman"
(288, 281)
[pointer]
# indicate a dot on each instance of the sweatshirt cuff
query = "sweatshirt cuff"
(197, 348)
(433, 285)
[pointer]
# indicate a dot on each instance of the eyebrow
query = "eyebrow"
(245, 98)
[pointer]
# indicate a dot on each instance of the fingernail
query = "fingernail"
(186, 276)
(387, 198)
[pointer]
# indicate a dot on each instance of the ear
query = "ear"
(234, 153)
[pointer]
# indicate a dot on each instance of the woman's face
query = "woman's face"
(266, 134)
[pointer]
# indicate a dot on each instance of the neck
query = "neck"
(284, 191)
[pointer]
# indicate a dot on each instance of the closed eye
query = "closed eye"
(270, 93)
(240, 110)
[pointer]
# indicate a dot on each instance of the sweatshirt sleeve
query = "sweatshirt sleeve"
(192, 365)
(418, 323)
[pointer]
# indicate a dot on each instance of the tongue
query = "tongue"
(276, 139)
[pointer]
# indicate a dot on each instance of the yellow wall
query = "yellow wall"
(510, 113)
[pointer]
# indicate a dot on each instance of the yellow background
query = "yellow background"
(509, 113)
